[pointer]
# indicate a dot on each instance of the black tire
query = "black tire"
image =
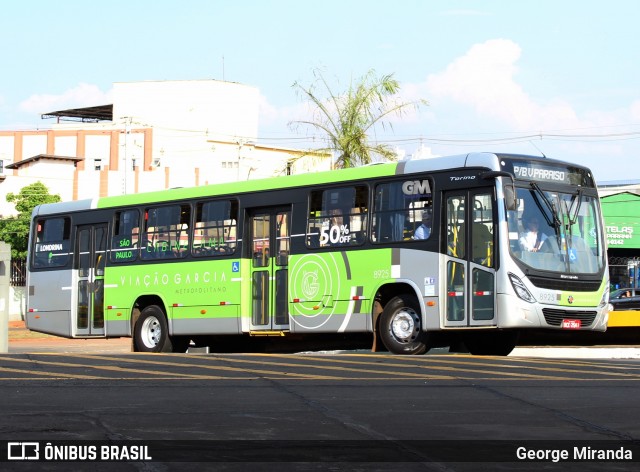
(498, 343)
(401, 326)
(151, 333)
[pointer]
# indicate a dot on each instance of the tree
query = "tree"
(15, 230)
(347, 119)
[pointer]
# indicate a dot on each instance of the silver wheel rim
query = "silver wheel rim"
(405, 325)
(151, 332)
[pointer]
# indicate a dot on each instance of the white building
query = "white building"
(155, 135)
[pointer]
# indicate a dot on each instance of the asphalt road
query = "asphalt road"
(355, 411)
(318, 411)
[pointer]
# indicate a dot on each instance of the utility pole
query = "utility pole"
(125, 170)
(5, 282)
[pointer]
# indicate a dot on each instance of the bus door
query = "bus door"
(470, 288)
(90, 254)
(270, 234)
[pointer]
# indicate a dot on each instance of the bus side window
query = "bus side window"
(337, 217)
(398, 210)
(215, 228)
(124, 242)
(53, 243)
(166, 234)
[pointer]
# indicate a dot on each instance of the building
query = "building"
(621, 212)
(155, 135)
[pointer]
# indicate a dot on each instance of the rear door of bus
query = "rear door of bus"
(269, 245)
(91, 245)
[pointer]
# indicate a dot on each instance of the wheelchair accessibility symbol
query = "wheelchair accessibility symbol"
(235, 267)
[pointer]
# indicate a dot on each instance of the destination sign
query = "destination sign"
(531, 172)
(541, 172)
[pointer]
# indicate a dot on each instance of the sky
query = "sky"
(559, 78)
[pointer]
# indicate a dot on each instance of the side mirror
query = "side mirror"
(510, 197)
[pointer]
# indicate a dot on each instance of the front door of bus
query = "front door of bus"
(270, 234)
(470, 258)
(91, 245)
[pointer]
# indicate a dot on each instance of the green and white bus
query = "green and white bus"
(329, 259)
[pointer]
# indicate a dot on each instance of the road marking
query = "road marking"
(329, 367)
(208, 367)
(47, 375)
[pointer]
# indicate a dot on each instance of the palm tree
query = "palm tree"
(347, 119)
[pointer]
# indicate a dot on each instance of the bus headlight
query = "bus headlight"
(605, 298)
(520, 289)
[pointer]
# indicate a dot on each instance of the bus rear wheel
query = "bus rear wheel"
(151, 333)
(401, 326)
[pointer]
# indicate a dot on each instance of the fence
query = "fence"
(18, 273)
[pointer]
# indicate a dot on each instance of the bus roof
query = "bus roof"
(486, 160)
(483, 160)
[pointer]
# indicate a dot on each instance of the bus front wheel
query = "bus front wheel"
(401, 327)
(151, 332)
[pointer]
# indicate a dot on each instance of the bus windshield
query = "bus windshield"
(557, 231)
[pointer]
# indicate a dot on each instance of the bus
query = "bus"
(329, 259)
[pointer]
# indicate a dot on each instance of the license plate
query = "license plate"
(571, 324)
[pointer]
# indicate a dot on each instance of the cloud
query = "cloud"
(635, 111)
(80, 96)
(485, 79)
(272, 115)
(478, 96)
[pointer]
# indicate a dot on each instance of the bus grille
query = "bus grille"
(554, 316)
(571, 285)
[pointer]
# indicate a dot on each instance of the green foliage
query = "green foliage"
(15, 230)
(348, 118)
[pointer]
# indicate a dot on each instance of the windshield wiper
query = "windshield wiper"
(574, 220)
(550, 206)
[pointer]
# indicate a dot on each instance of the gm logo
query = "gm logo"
(416, 187)
(23, 451)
